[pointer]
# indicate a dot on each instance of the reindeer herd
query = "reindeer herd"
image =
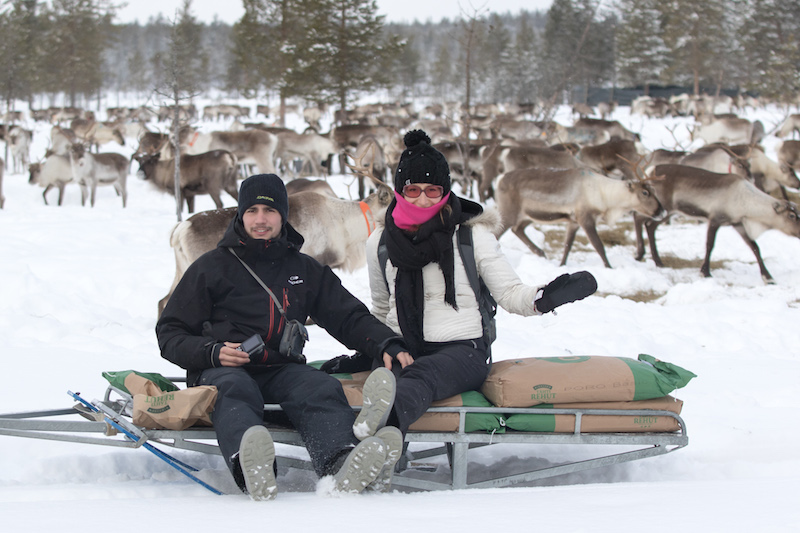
(592, 171)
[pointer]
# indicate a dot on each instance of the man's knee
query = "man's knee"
(230, 380)
(320, 386)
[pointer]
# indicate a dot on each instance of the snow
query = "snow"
(79, 293)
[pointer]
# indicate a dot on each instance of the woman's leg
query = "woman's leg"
(451, 370)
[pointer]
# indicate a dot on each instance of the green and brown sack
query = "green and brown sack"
(159, 404)
(552, 423)
(536, 380)
(488, 422)
(441, 421)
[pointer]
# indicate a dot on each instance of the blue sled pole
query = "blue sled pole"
(181, 467)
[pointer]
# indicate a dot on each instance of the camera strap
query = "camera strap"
(260, 282)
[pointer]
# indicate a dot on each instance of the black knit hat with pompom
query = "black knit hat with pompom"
(421, 163)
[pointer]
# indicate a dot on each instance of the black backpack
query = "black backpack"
(488, 307)
(486, 304)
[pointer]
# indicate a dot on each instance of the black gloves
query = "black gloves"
(347, 364)
(564, 289)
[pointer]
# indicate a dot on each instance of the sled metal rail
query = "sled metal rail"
(455, 445)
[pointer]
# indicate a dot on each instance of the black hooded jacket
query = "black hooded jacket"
(218, 300)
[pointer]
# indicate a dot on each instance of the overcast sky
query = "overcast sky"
(395, 10)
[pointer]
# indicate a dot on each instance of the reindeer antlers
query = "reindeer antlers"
(678, 144)
(360, 169)
(639, 170)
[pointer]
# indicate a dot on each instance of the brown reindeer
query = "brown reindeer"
(770, 176)
(789, 157)
(251, 147)
(502, 159)
(208, 173)
(580, 197)
(2, 171)
(335, 230)
(610, 157)
(305, 185)
(723, 200)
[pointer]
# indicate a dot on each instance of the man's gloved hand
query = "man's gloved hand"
(564, 289)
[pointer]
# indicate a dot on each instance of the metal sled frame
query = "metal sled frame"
(455, 445)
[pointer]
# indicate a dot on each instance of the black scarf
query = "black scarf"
(409, 252)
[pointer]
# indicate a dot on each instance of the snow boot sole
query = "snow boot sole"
(256, 457)
(361, 466)
(379, 392)
(393, 439)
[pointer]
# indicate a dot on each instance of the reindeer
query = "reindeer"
(334, 230)
(349, 135)
(789, 156)
(370, 149)
(723, 200)
(730, 130)
(2, 198)
(91, 170)
(207, 173)
(95, 133)
(251, 147)
(717, 158)
(61, 140)
(19, 142)
(512, 128)
(769, 176)
(152, 142)
(55, 171)
(454, 153)
(502, 159)
(789, 126)
(313, 115)
(582, 110)
(605, 109)
(311, 148)
(611, 128)
(578, 196)
(610, 157)
(306, 185)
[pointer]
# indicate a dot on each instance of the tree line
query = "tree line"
(333, 52)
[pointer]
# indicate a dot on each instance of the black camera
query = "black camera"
(254, 346)
(293, 340)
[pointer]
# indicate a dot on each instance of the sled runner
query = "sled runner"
(109, 424)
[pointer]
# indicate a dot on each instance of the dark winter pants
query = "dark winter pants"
(313, 402)
(447, 369)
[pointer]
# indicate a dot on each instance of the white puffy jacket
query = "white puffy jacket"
(441, 322)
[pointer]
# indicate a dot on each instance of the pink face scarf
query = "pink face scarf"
(409, 216)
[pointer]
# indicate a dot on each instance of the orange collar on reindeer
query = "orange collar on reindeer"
(367, 212)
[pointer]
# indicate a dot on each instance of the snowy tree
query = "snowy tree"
(519, 64)
(640, 50)
(443, 71)
(19, 56)
(565, 58)
(700, 38)
(771, 42)
(345, 52)
(76, 33)
(266, 43)
(489, 66)
(181, 83)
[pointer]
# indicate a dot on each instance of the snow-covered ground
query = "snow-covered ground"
(78, 294)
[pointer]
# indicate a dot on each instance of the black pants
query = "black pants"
(445, 369)
(313, 402)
